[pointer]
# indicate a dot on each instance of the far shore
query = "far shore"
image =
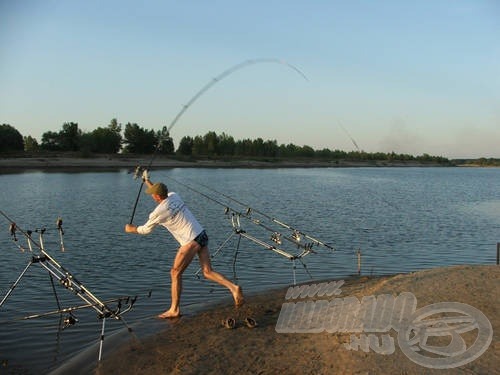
(48, 163)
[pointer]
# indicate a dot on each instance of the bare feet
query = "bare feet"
(169, 314)
(239, 300)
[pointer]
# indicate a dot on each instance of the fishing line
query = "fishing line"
(350, 137)
(235, 215)
(205, 88)
(249, 210)
(360, 151)
(276, 236)
(296, 233)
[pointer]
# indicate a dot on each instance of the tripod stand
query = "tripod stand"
(68, 281)
(275, 237)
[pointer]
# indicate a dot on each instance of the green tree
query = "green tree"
(226, 145)
(289, 150)
(164, 142)
(324, 153)
(257, 148)
(30, 144)
(139, 140)
(270, 148)
(185, 146)
(10, 139)
(243, 147)
(115, 126)
(211, 143)
(69, 137)
(87, 144)
(198, 148)
(103, 140)
(306, 151)
(50, 141)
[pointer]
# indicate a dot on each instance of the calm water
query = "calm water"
(402, 219)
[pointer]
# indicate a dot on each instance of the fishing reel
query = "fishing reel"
(141, 172)
(12, 231)
(69, 321)
(41, 231)
(66, 282)
(296, 236)
(59, 223)
(276, 237)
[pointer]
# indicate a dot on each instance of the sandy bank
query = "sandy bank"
(201, 345)
(9, 165)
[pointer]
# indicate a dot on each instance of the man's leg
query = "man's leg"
(184, 256)
(212, 275)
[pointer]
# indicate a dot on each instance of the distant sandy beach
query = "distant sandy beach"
(55, 163)
(124, 162)
(200, 344)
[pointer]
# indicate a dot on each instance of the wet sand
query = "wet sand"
(200, 344)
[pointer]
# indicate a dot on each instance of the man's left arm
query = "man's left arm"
(131, 228)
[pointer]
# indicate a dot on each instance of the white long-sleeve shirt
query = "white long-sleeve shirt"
(173, 214)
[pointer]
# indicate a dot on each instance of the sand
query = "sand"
(113, 162)
(202, 345)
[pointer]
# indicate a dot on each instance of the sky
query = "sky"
(409, 77)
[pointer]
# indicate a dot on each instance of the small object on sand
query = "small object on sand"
(229, 323)
(250, 322)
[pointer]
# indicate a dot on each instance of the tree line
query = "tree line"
(138, 140)
(102, 140)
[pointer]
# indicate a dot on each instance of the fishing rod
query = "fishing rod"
(350, 137)
(127, 300)
(249, 210)
(235, 215)
(276, 236)
(67, 280)
(63, 275)
(195, 97)
(296, 233)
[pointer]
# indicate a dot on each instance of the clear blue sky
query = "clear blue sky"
(405, 76)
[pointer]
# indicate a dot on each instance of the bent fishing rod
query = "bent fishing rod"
(195, 97)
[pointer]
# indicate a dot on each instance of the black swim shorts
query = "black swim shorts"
(202, 239)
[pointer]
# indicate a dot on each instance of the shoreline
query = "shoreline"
(199, 343)
(58, 163)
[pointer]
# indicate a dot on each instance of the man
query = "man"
(172, 213)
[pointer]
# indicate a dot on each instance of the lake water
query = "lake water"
(400, 219)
